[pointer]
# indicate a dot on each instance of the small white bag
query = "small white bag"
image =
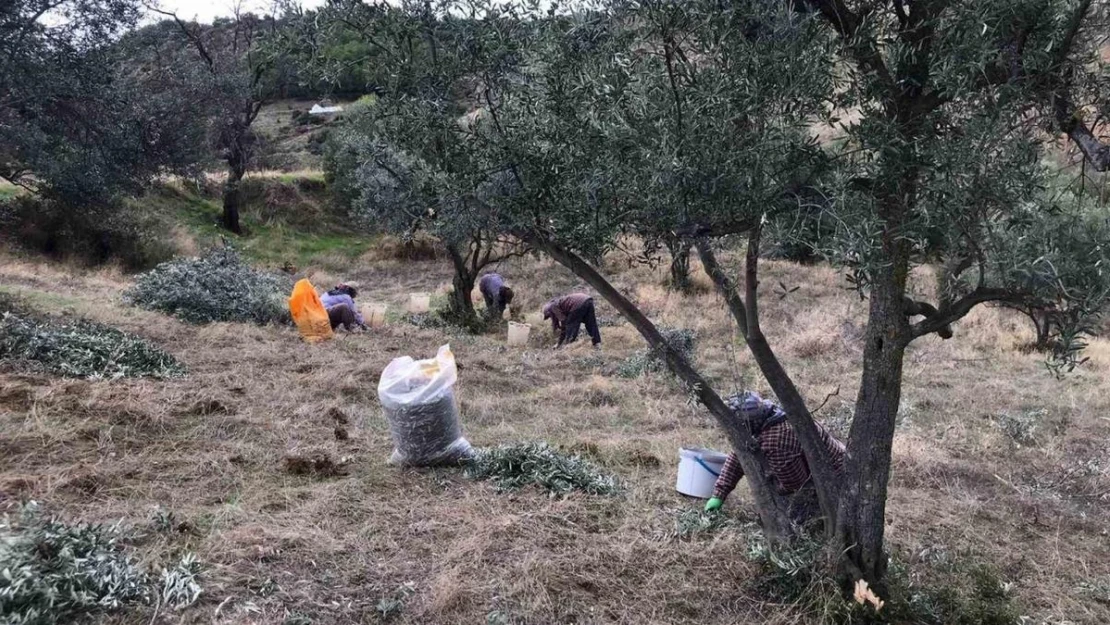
(418, 399)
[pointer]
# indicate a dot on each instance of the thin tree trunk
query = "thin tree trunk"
(680, 263)
(745, 311)
(233, 194)
(769, 504)
(459, 302)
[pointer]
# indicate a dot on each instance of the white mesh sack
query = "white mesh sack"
(418, 399)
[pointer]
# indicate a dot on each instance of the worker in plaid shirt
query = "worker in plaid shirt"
(785, 458)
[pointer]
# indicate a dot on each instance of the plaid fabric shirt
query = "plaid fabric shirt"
(785, 458)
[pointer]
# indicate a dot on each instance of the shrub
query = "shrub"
(962, 592)
(94, 235)
(516, 466)
(220, 286)
(81, 349)
(651, 361)
(1021, 429)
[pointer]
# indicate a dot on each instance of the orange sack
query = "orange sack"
(308, 313)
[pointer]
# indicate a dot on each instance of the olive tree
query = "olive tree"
(944, 110)
(77, 122)
(405, 162)
(949, 105)
(233, 60)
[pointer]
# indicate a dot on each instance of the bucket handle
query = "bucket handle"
(706, 466)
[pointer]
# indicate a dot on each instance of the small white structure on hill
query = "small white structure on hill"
(324, 107)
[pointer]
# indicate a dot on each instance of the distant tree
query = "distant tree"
(404, 162)
(77, 123)
(238, 68)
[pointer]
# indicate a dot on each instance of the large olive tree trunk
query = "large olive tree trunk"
(861, 517)
(459, 304)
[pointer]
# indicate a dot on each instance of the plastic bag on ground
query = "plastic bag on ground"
(418, 398)
(308, 313)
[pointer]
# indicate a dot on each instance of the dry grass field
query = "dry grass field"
(995, 460)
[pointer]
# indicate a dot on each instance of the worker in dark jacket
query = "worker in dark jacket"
(568, 313)
(498, 296)
(784, 455)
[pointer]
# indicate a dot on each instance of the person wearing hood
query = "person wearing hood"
(783, 451)
(340, 304)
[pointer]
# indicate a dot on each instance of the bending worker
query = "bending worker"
(497, 295)
(783, 451)
(568, 313)
(340, 304)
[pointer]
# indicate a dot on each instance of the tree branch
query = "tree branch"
(769, 503)
(961, 307)
(846, 24)
(799, 416)
(1070, 122)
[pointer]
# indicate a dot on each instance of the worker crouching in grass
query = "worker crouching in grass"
(785, 458)
(340, 304)
(497, 295)
(568, 313)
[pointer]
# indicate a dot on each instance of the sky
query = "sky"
(206, 10)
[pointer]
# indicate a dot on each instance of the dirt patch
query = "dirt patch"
(314, 463)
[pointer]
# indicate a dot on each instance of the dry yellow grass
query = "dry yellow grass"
(209, 447)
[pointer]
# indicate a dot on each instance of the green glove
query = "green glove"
(713, 504)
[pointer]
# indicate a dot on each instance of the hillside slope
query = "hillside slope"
(995, 462)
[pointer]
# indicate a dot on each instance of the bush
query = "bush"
(94, 235)
(651, 361)
(81, 349)
(217, 287)
(516, 466)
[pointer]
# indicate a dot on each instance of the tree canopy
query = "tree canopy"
(918, 130)
(76, 122)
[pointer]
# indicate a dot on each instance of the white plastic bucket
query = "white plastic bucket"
(374, 315)
(698, 470)
(518, 333)
(419, 302)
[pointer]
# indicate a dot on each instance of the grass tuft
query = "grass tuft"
(694, 522)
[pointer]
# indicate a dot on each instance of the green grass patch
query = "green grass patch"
(277, 244)
(8, 190)
(271, 243)
(41, 300)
